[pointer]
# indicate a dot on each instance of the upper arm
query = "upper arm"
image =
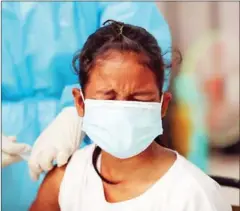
(47, 197)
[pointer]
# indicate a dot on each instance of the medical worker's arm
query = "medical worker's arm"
(47, 197)
(57, 142)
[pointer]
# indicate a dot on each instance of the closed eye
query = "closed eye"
(106, 92)
(105, 95)
(143, 97)
(144, 100)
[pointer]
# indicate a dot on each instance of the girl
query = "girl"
(121, 72)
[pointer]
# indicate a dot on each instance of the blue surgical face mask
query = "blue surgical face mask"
(122, 128)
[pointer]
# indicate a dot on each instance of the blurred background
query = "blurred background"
(203, 122)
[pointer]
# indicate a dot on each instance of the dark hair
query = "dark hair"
(121, 38)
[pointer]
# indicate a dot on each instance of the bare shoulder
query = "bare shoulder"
(47, 197)
(54, 178)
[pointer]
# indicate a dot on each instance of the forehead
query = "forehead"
(122, 71)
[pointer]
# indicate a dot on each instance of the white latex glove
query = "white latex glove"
(11, 150)
(56, 143)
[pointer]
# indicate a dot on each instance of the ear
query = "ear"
(167, 96)
(78, 100)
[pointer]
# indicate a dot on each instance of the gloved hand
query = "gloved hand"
(56, 143)
(11, 150)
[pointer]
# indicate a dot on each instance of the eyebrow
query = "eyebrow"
(137, 93)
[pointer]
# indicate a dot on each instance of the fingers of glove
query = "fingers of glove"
(34, 173)
(46, 159)
(15, 148)
(34, 168)
(12, 138)
(63, 156)
(34, 176)
(9, 159)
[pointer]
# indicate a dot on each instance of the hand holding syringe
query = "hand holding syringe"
(12, 151)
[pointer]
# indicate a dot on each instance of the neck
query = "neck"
(121, 170)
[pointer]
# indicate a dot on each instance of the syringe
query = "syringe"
(25, 155)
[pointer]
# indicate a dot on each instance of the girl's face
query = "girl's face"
(121, 78)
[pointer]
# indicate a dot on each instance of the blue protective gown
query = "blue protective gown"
(38, 43)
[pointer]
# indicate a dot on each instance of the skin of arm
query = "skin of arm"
(47, 197)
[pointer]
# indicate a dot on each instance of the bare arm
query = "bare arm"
(47, 197)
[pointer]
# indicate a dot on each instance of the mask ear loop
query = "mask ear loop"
(80, 134)
(81, 93)
(161, 101)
